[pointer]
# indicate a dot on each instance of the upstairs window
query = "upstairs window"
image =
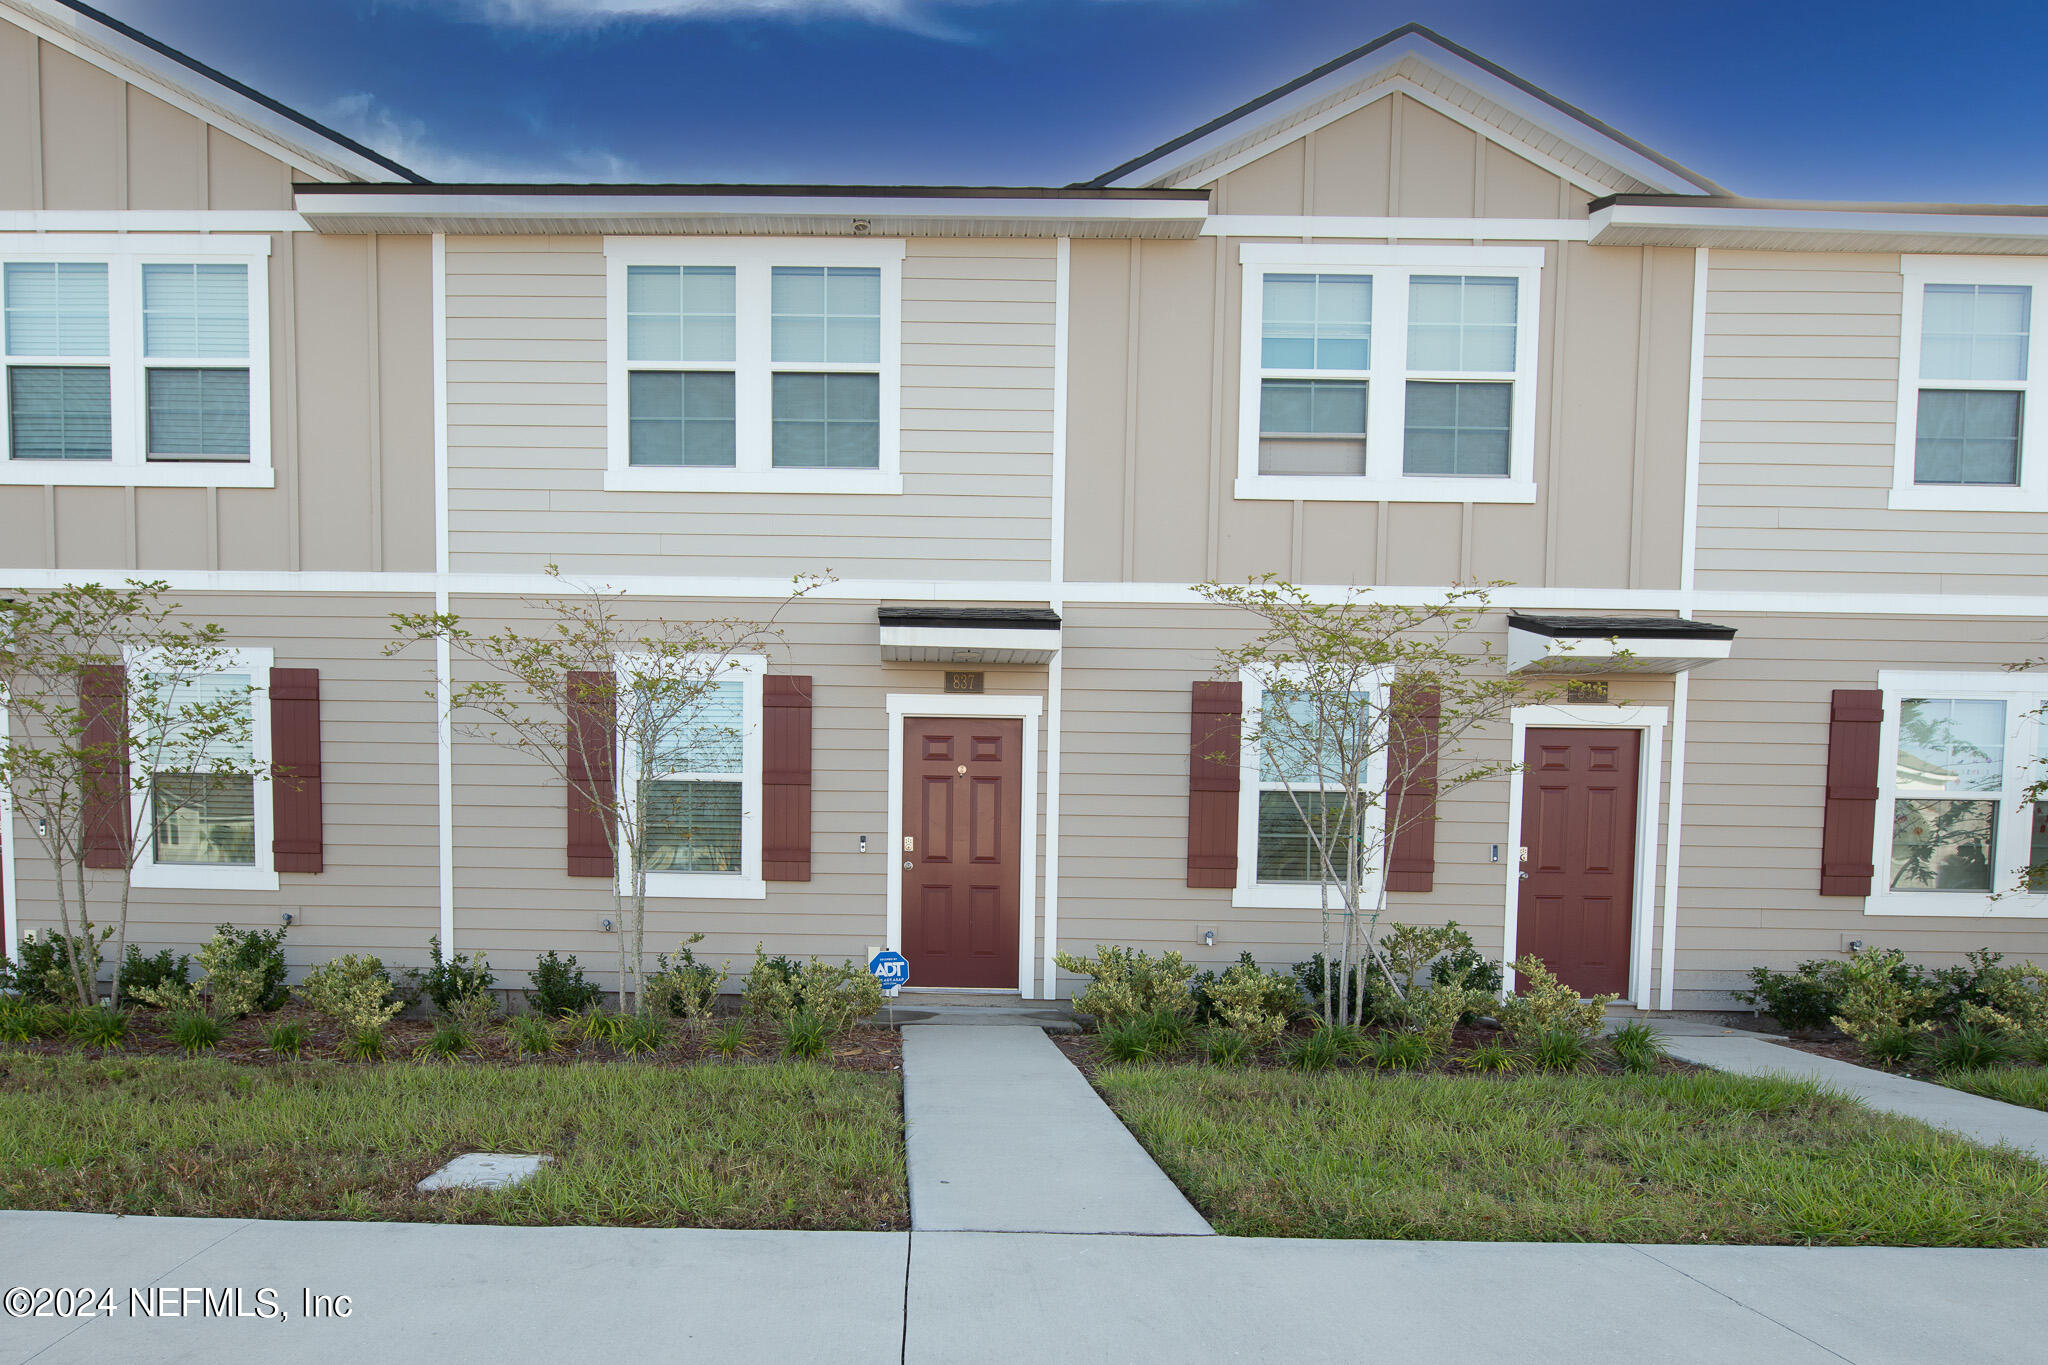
(754, 366)
(1970, 433)
(1388, 373)
(135, 360)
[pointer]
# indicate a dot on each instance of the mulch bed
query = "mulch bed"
(858, 1049)
(1085, 1051)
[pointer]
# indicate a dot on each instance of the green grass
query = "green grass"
(2027, 1085)
(1688, 1157)
(758, 1146)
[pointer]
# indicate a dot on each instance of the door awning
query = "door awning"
(969, 635)
(1613, 644)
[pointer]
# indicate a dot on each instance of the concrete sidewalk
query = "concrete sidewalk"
(1005, 1135)
(1990, 1122)
(477, 1293)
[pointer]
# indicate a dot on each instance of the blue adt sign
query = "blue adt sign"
(889, 968)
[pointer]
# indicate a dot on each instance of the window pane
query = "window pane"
(679, 313)
(691, 827)
(677, 418)
(1302, 741)
(59, 413)
(195, 310)
(1462, 323)
(1940, 845)
(827, 314)
(709, 739)
(1967, 436)
(1316, 322)
(1312, 427)
(56, 308)
(1950, 745)
(827, 421)
(1975, 331)
(204, 818)
(1287, 853)
(1457, 429)
(198, 414)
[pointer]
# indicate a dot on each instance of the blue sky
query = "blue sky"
(1787, 99)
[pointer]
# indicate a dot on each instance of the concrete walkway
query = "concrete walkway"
(1990, 1122)
(1005, 1135)
(475, 1293)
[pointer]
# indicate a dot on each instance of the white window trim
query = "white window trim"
(747, 883)
(260, 875)
(753, 260)
(1390, 267)
(2031, 493)
(1251, 893)
(124, 256)
(2022, 695)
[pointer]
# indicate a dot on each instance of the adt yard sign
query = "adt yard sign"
(891, 969)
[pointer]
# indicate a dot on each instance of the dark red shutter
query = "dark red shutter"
(786, 778)
(103, 707)
(1850, 823)
(593, 720)
(1215, 735)
(300, 843)
(1411, 776)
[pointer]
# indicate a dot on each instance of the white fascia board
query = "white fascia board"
(1533, 652)
(511, 207)
(182, 88)
(150, 220)
(1484, 83)
(1614, 219)
(933, 644)
(1411, 229)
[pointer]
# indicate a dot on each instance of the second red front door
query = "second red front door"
(962, 796)
(1579, 832)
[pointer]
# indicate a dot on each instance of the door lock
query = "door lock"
(910, 843)
(906, 864)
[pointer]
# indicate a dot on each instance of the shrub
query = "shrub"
(196, 1031)
(559, 987)
(364, 1045)
(640, 1033)
(23, 1020)
(353, 990)
(1228, 1047)
(159, 969)
(1399, 1050)
(287, 1039)
(1125, 983)
(2009, 1001)
(1464, 965)
(1491, 1056)
(806, 1036)
(533, 1034)
(836, 995)
(450, 979)
(41, 968)
(244, 970)
(1435, 1010)
(1560, 1049)
(1892, 1046)
(1879, 991)
(688, 988)
(97, 1026)
(730, 1040)
(1968, 1047)
(1802, 1000)
(1546, 1005)
(1244, 999)
(1637, 1046)
(448, 1041)
(768, 992)
(1314, 978)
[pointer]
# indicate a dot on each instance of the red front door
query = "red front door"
(962, 796)
(1579, 833)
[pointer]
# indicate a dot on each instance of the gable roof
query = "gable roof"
(190, 84)
(1598, 152)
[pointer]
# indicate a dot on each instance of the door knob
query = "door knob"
(907, 866)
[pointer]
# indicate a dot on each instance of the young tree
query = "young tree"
(120, 721)
(1365, 704)
(594, 695)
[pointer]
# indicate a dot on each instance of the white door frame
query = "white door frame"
(902, 706)
(1649, 721)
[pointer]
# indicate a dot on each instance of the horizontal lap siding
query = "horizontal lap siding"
(1756, 770)
(1798, 430)
(526, 401)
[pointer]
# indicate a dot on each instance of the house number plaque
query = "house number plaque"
(964, 682)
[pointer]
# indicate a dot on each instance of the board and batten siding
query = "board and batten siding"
(526, 411)
(1798, 431)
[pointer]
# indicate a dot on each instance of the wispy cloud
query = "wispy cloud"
(370, 121)
(928, 17)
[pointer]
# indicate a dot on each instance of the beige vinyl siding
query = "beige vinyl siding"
(526, 391)
(1798, 442)
(1756, 772)
(1153, 436)
(379, 893)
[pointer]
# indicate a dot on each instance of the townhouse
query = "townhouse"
(1404, 322)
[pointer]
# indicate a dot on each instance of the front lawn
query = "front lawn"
(2025, 1085)
(1665, 1157)
(768, 1145)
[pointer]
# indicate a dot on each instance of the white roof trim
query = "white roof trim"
(1532, 651)
(1290, 117)
(182, 88)
(1818, 229)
